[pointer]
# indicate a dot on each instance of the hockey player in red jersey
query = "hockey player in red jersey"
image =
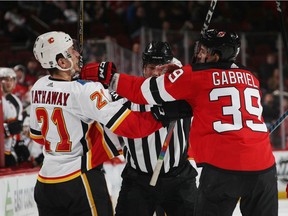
(228, 137)
(65, 117)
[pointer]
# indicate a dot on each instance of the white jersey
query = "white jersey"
(62, 118)
(9, 113)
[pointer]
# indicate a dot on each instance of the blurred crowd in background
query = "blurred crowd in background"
(121, 22)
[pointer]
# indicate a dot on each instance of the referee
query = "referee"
(175, 190)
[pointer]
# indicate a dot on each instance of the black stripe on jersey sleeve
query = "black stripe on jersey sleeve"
(35, 132)
(112, 147)
(155, 91)
(12, 99)
(116, 117)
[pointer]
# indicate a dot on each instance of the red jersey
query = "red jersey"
(228, 130)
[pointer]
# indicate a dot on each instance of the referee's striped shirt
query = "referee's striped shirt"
(142, 153)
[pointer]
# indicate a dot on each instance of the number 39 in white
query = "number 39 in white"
(234, 109)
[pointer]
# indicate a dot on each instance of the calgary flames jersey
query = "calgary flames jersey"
(67, 117)
(228, 130)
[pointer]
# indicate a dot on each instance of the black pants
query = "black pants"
(175, 194)
(85, 195)
(219, 192)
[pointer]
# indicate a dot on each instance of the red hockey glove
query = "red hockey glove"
(99, 72)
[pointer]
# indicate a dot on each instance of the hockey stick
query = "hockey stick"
(209, 16)
(80, 25)
(160, 160)
(278, 122)
(2, 161)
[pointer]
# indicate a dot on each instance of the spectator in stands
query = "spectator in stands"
(50, 13)
(269, 108)
(267, 68)
(273, 81)
(21, 87)
(32, 72)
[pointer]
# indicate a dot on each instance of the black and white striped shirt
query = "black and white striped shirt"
(142, 154)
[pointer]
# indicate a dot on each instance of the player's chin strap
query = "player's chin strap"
(71, 68)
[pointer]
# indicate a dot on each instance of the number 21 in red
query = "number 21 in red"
(57, 118)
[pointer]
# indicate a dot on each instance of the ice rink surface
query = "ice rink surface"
(283, 208)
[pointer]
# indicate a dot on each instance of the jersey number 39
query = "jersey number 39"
(234, 109)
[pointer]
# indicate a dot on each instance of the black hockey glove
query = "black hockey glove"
(159, 115)
(21, 151)
(170, 111)
(12, 128)
(175, 110)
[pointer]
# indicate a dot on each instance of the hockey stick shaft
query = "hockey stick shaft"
(278, 122)
(81, 25)
(209, 16)
(164, 148)
(2, 161)
(160, 160)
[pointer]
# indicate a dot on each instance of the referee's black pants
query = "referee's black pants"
(219, 191)
(174, 193)
(86, 195)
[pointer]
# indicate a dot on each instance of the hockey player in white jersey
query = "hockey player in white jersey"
(65, 117)
(9, 119)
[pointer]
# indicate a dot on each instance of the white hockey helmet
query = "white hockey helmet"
(47, 46)
(7, 72)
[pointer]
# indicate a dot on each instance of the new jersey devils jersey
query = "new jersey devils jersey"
(228, 130)
(63, 115)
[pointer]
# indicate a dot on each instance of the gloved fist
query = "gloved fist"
(11, 128)
(178, 109)
(170, 111)
(21, 151)
(159, 114)
(99, 72)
